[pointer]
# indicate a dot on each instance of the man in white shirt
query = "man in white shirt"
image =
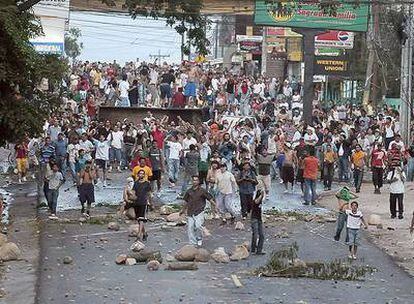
(123, 92)
(175, 153)
(102, 154)
(87, 146)
(116, 148)
(187, 141)
(397, 140)
(226, 186)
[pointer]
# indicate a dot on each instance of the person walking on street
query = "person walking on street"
(225, 187)
(247, 182)
(191, 160)
(87, 178)
(353, 223)
(257, 223)
(142, 190)
(378, 163)
(396, 178)
(157, 166)
(344, 196)
(55, 180)
(358, 164)
(195, 202)
(175, 153)
(310, 175)
(329, 159)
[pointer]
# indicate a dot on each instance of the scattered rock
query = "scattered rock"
(239, 226)
(153, 265)
(133, 230)
(113, 226)
(282, 235)
(146, 255)
(174, 217)
(67, 260)
(291, 219)
(137, 246)
(247, 245)
(374, 219)
(228, 216)
(166, 210)
(206, 232)
(170, 258)
(9, 252)
(309, 218)
(239, 253)
(166, 228)
(390, 228)
(379, 226)
(82, 220)
(182, 266)
(220, 256)
(299, 263)
(120, 259)
(186, 253)
(3, 239)
(330, 219)
(202, 255)
(130, 261)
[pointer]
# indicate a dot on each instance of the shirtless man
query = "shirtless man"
(190, 87)
(288, 172)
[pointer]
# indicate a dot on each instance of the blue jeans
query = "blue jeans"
(61, 161)
(343, 168)
(310, 190)
(410, 169)
(123, 102)
(257, 235)
(52, 197)
(173, 168)
(340, 224)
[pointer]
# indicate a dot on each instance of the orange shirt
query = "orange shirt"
(311, 166)
(357, 159)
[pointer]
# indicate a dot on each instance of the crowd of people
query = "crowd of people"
(254, 135)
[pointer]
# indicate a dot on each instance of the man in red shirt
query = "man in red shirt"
(310, 175)
(378, 162)
(178, 100)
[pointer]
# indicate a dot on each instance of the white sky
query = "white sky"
(107, 37)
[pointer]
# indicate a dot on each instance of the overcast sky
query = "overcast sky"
(107, 37)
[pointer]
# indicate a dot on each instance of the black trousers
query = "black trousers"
(246, 203)
(328, 171)
(377, 176)
(394, 198)
(257, 235)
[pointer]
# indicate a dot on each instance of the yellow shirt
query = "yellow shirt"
(358, 159)
(329, 157)
(148, 172)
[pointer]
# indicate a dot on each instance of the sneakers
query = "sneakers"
(260, 253)
(199, 243)
(20, 181)
(351, 257)
(24, 179)
(354, 257)
(286, 191)
(53, 217)
(104, 183)
(336, 238)
(400, 217)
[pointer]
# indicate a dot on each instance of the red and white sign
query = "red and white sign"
(335, 39)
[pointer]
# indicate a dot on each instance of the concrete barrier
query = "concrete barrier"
(114, 114)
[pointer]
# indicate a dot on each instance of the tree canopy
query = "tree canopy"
(25, 101)
(73, 47)
(182, 15)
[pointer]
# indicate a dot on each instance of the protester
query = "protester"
(344, 196)
(310, 173)
(257, 223)
(396, 177)
(142, 190)
(195, 202)
(87, 178)
(353, 223)
(55, 180)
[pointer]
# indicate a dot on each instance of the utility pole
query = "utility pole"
(159, 56)
(406, 76)
(264, 51)
(370, 74)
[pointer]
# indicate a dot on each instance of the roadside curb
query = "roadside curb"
(20, 277)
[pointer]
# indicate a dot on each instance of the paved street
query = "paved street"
(95, 278)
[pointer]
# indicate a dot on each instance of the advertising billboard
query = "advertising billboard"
(335, 39)
(53, 15)
(335, 66)
(308, 14)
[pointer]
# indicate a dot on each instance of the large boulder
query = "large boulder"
(9, 252)
(113, 226)
(146, 255)
(240, 252)
(220, 256)
(174, 217)
(137, 246)
(374, 219)
(130, 262)
(133, 230)
(202, 255)
(166, 210)
(186, 253)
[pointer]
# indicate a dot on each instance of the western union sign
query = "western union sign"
(326, 65)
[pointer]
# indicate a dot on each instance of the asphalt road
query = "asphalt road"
(94, 277)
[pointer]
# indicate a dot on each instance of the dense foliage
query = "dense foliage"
(24, 103)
